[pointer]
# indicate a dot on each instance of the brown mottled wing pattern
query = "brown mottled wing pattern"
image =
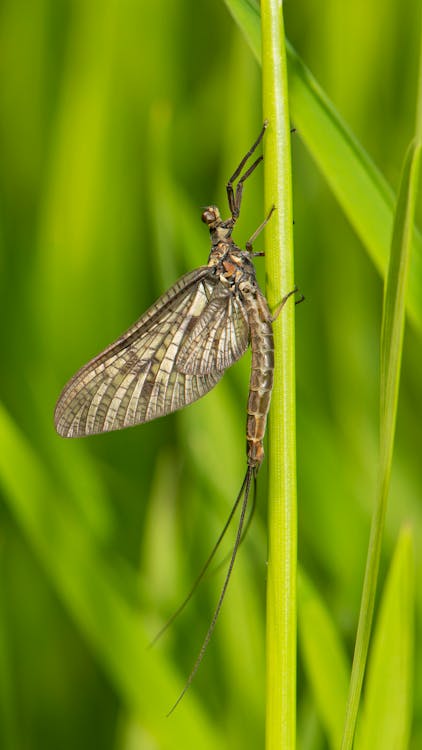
(175, 353)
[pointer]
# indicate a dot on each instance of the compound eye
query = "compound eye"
(210, 215)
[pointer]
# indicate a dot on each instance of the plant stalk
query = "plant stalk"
(282, 516)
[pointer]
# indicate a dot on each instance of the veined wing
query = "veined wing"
(219, 337)
(137, 379)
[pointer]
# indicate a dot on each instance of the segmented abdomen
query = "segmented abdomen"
(262, 376)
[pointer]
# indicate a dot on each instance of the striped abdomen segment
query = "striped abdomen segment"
(262, 376)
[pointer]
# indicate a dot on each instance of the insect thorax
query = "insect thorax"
(233, 266)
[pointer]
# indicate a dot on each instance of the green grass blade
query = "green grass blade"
(84, 581)
(324, 659)
(386, 717)
(281, 583)
(360, 188)
(391, 354)
(395, 289)
(10, 735)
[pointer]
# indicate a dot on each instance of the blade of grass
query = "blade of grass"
(84, 581)
(388, 695)
(281, 583)
(324, 659)
(391, 354)
(361, 190)
(10, 724)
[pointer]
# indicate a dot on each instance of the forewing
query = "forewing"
(136, 379)
(219, 337)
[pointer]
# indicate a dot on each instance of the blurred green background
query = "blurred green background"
(119, 121)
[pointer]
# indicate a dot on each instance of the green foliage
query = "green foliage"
(391, 347)
(118, 122)
(324, 658)
(388, 702)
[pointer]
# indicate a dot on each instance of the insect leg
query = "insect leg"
(235, 200)
(258, 231)
(279, 307)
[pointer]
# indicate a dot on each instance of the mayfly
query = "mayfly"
(179, 349)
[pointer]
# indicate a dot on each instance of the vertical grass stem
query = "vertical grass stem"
(281, 586)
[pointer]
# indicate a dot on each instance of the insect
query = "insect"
(179, 349)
